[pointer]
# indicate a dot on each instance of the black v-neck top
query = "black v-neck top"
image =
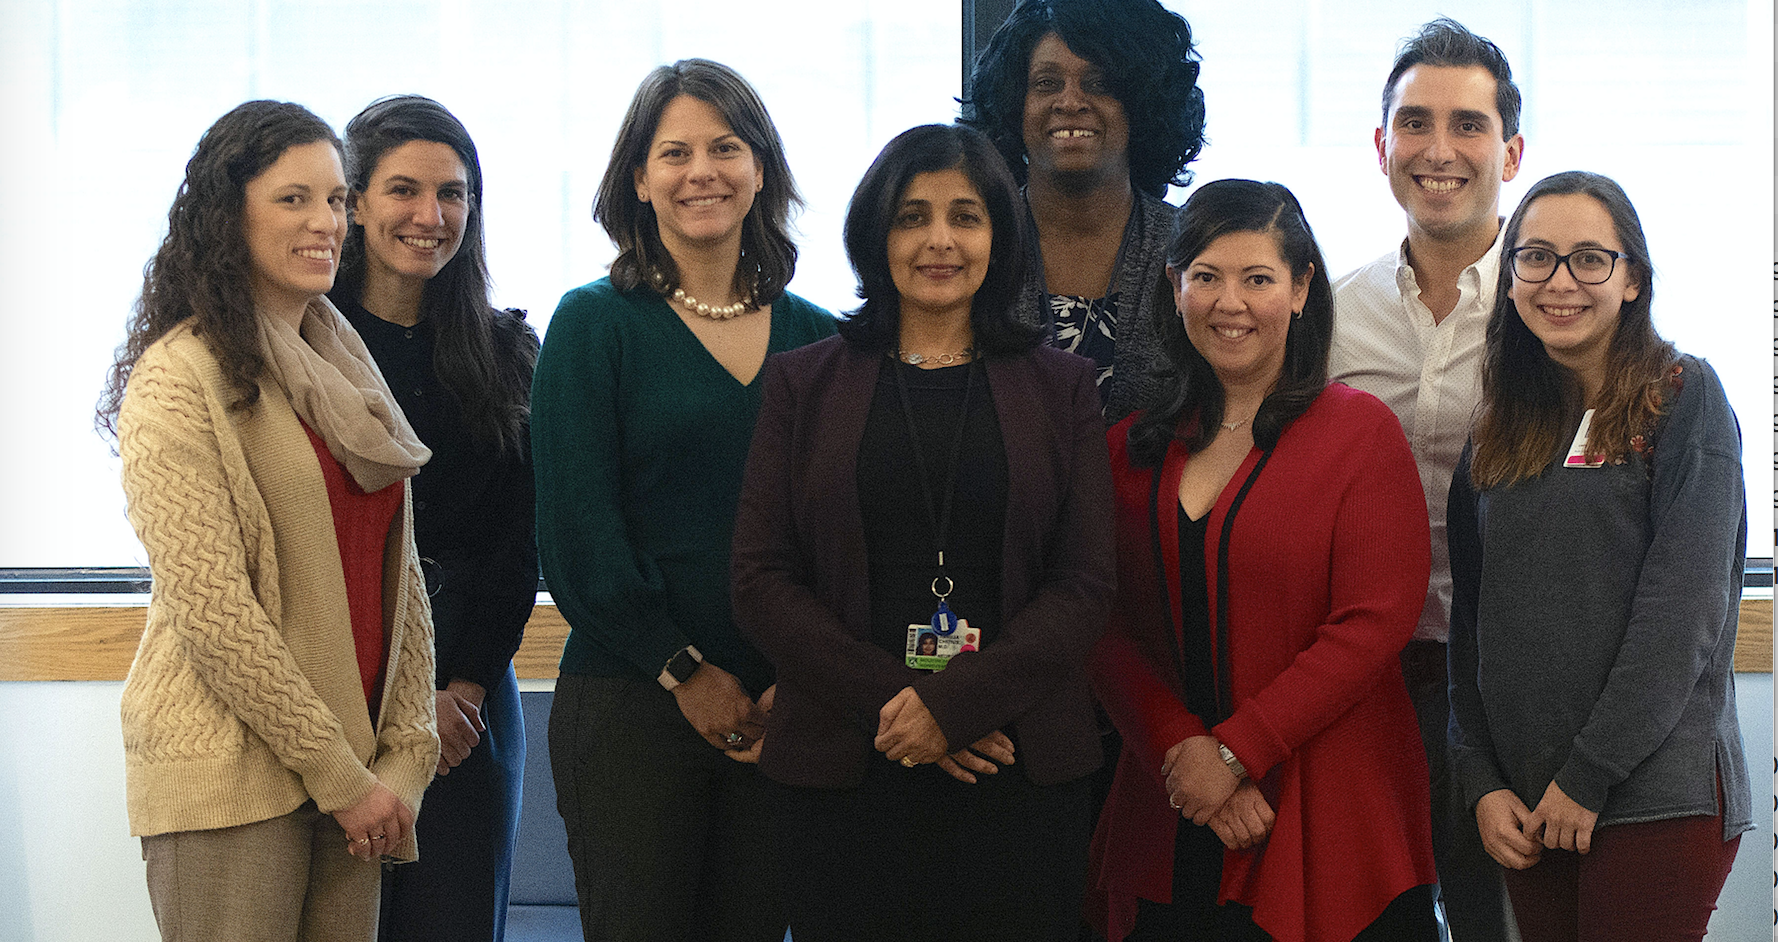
(1196, 671)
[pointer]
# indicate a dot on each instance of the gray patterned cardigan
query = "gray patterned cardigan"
(1133, 380)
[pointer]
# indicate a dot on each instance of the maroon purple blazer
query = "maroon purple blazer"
(801, 588)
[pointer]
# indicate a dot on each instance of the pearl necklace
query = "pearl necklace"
(715, 313)
(942, 359)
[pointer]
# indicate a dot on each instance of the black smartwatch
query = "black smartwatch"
(680, 667)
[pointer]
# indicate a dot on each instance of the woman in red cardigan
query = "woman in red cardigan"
(1272, 560)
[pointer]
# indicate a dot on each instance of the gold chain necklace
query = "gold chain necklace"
(943, 359)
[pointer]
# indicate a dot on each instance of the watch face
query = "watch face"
(682, 666)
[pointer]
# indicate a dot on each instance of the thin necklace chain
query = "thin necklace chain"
(943, 359)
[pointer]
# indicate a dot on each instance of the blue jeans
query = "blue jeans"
(468, 826)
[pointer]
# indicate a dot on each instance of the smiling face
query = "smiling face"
(414, 211)
(1073, 123)
(939, 245)
(1575, 322)
(294, 221)
(1443, 152)
(700, 177)
(1237, 298)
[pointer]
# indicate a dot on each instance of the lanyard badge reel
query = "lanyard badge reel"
(932, 644)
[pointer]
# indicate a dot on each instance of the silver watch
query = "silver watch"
(1228, 759)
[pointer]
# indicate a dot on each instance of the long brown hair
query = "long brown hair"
(1530, 403)
(202, 271)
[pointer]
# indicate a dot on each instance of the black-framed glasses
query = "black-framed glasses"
(1534, 264)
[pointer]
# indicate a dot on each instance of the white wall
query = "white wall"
(102, 102)
(104, 99)
(69, 870)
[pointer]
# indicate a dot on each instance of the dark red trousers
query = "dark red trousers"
(1652, 882)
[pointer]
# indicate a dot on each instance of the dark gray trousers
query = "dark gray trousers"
(667, 834)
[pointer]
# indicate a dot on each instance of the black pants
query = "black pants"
(667, 833)
(913, 855)
(1471, 889)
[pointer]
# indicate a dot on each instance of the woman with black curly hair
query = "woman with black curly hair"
(1095, 105)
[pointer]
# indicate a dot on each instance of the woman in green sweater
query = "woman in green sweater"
(642, 411)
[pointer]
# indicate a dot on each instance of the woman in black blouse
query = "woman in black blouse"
(414, 282)
(933, 470)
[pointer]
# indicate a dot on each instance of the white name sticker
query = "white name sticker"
(1577, 452)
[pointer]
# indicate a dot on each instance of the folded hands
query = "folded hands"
(1206, 792)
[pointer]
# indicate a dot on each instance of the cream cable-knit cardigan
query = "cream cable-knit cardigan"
(245, 700)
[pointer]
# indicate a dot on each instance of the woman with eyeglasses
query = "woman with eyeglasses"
(1597, 529)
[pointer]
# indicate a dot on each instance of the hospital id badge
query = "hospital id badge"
(932, 645)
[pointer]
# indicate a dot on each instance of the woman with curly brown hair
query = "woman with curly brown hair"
(278, 719)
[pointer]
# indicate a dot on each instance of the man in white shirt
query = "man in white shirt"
(1409, 330)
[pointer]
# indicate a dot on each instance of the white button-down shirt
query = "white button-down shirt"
(1430, 374)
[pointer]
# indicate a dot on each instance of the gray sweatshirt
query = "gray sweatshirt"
(1593, 624)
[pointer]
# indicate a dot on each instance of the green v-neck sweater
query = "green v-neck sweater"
(639, 438)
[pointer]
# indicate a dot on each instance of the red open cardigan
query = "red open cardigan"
(1327, 569)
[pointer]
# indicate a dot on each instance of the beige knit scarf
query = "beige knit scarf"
(336, 387)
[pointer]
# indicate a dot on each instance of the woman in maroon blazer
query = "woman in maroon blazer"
(1272, 559)
(931, 464)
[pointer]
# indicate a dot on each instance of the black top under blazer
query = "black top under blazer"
(801, 588)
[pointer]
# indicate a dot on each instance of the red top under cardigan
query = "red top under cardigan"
(1328, 562)
(361, 525)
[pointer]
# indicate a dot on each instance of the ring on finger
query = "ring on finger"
(733, 739)
(908, 761)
